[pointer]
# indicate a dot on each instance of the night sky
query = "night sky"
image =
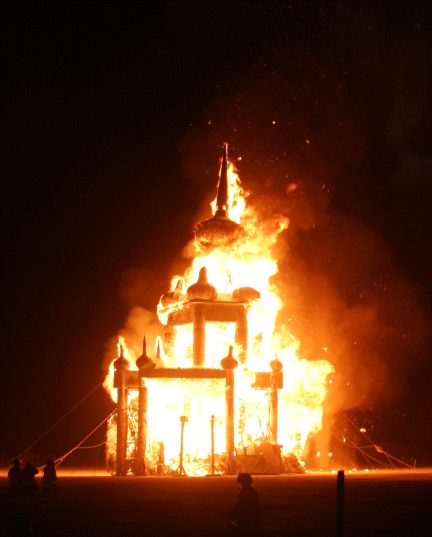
(112, 125)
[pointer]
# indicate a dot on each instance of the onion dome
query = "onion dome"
(229, 362)
(121, 362)
(144, 361)
(245, 294)
(276, 365)
(219, 230)
(201, 290)
(171, 297)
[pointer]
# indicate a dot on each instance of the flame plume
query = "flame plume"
(238, 258)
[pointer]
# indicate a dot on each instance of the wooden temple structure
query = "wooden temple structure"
(200, 307)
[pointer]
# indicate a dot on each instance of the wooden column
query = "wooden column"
(276, 367)
(121, 365)
(229, 363)
(241, 334)
(144, 363)
(198, 335)
(140, 466)
(212, 445)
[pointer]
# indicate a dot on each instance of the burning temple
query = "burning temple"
(225, 390)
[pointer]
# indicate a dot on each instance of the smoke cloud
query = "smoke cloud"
(304, 152)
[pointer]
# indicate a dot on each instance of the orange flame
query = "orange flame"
(250, 262)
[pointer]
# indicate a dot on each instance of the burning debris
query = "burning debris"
(191, 411)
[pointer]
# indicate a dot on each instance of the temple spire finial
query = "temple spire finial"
(222, 192)
(143, 361)
(219, 230)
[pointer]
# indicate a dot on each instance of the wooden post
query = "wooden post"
(144, 363)
(230, 412)
(121, 365)
(140, 466)
(229, 363)
(198, 335)
(340, 503)
(212, 423)
(241, 334)
(276, 367)
(180, 470)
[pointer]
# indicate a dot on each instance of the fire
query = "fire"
(242, 262)
(122, 349)
(236, 196)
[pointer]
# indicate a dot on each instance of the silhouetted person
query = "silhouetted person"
(49, 478)
(247, 508)
(29, 478)
(15, 476)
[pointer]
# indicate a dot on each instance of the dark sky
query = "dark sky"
(112, 113)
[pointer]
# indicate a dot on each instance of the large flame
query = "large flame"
(250, 262)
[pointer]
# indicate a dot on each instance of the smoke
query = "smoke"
(308, 148)
(347, 301)
(304, 151)
(139, 323)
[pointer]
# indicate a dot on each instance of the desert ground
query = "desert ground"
(87, 504)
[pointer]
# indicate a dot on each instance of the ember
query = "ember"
(190, 410)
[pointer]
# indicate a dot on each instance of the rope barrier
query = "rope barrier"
(93, 447)
(367, 456)
(59, 460)
(39, 438)
(390, 458)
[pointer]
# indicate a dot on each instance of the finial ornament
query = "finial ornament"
(229, 362)
(276, 365)
(121, 362)
(219, 230)
(201, 290)
(144, 361)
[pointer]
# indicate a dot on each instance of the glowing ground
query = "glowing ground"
(381, 504)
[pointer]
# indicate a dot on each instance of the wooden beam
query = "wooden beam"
(133, 377)
(213, 311)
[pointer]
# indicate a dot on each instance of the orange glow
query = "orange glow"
(251, 263)
(292, 187)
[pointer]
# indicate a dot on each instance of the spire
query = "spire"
(143, 361)
(222, 192)
(121, 362)
(218, 230)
